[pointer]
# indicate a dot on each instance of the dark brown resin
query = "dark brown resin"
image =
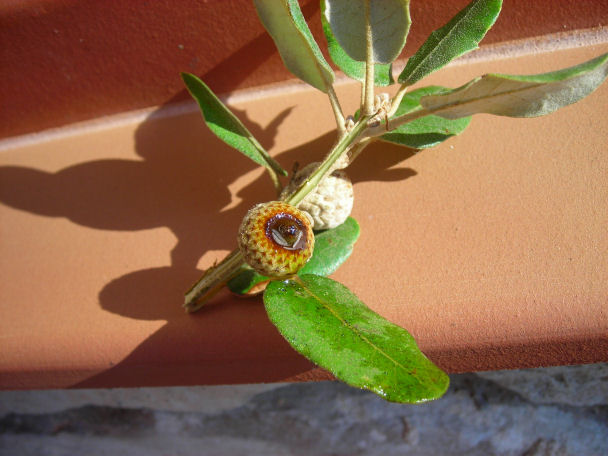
(286, 231)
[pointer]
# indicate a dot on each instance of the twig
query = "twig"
(335, 106)
(367, 104)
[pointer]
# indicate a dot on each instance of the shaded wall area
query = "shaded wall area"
(63, 61)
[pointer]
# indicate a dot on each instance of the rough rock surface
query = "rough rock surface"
(476, 417)
(571, 385)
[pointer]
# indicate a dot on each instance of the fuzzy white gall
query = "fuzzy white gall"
(330, 203)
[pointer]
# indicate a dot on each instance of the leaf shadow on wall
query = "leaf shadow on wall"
(239, 326)
(175, 184)
(229, 332)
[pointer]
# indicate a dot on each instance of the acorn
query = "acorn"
(276, 239)
(330, 203)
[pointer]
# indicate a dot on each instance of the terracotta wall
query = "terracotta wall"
(63, 61)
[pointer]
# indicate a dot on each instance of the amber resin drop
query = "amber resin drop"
(276, 239)
(287, 231)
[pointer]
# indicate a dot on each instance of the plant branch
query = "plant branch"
(218, 275)
(379, 130)
(274, 168)
(367, 104)
(335, 106)
(212, 281)
(356, 151)
(345, 142)
(275, 181)
(397, 100)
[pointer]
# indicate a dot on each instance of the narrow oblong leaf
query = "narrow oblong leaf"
(332, 248)
(285, 23)
(427, 131)
(520, 96)
(389, 22)
(327, 323)
(459, 36)
(226, 125)
(383, 74)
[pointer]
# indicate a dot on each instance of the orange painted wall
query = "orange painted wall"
(63, 61)
(490, 248)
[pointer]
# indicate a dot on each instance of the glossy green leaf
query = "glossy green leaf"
(389, 23)
(459, 36)
(383, 74)
(327, 323)
(427, 131)
(226, 125)
(332, 248)
(285, 23)
(520, 96)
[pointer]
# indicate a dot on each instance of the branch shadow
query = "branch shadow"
(380, 161)
(175, 184)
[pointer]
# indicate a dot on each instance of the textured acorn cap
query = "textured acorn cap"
(276, 239)
(330, 203)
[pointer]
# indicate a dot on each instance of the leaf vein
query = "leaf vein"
(328, 306)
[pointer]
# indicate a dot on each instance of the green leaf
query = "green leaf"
(327, 323)
(383, 73)
(459, 36)
(332, 248)
(245, 281)
(285, 23)
(389, 22)
(427, 131)
(520, 96)
(226, 125)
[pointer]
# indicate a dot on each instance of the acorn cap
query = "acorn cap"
(276, 239)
